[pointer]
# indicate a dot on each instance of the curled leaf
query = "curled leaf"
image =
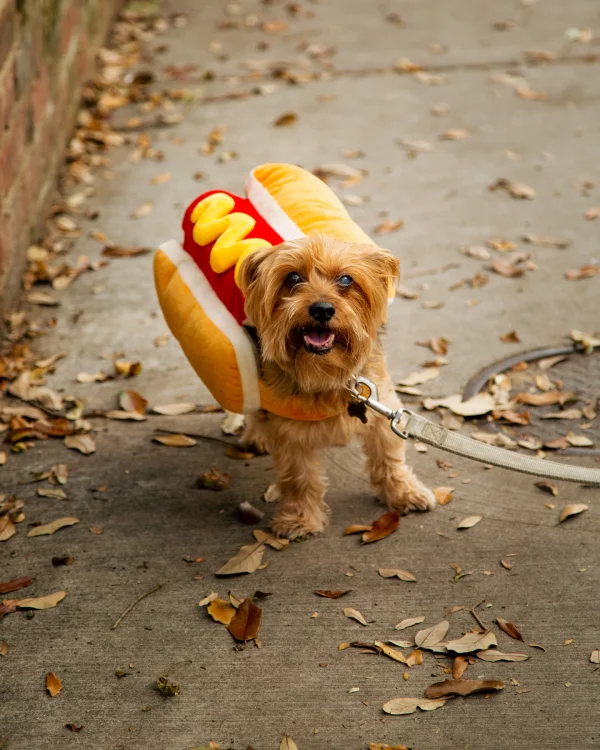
(246, 623)
(355, 615)
(391, 652)
(409, 622)
(42, 602)
(572, 510)
(469, 522)
(462, 687)
(53, 684)
(509, 628)
(221, 611)
(403, 575)
(443, 495)
(383, 527)
(402, 706)
(175, 441)
(331, 594)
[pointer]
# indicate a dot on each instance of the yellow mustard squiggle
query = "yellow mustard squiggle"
(213, 220)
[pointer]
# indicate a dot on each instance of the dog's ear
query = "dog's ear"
(386, 267)
(249, 268)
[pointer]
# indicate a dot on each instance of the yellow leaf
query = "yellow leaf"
(221, 611)
(53, 526)
(53, 684)
(42, 602)
(175, 441)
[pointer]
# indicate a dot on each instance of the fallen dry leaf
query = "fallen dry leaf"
(287, 743)
(548, 398)
(354, 614)
(83, 443)
(572, 510)
(552, 489)
(238, 454)
(41, 298)
(509, 628)
(52, 492)
(443, 495)
(175, 441)
(462, 687)
(383, 746)
(595, 657)
(390, 652)
(42, 602)
(474, 407)
(472, 642)
(579, 441)
(414, 658)
(286, 119)
(543, 240)
(15, 584)
(506, 269)
(403, 575)
(143, 210)
(53, 526)
(246, 623)
(506, 564)
(431, 638)
(119, 251)
(585, 272)
(3, 648)
(208, 599)
(423, 376)
(402, 706)
(356, 529)
(592, 213)
(127, 369)
(160, 178)
(331, 594)
(53, 684)
(275, 542)
(388, 226)
(174, 410)
(409, 622)
(247, 560)
(131, 401)
(213, 480)
(383, 527)
(92, 377)
(516, 190)
(493, 655)
(459, 666)
(7, 528)
(221, 611)
(512, 337)
(455, 134)
(469, 522)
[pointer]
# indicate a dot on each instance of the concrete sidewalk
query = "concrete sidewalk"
(348, 96)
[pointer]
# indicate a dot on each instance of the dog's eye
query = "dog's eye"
(345, 281)
(292, 279)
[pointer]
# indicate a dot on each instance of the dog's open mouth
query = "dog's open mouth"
(318, 340)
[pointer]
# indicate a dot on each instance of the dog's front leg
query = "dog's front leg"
(301, 486)
(393, 480)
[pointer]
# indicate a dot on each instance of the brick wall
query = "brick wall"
(47, 49)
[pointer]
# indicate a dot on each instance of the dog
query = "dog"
(317, 306)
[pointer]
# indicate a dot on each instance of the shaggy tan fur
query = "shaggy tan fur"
(280, 284)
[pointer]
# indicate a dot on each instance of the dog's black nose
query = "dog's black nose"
(322, 311)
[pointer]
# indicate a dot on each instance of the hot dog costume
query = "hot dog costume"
(197, 283)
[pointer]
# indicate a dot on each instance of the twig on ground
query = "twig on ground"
(481, 624)
(131, 606)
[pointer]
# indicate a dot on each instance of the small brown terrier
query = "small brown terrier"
(317, 305)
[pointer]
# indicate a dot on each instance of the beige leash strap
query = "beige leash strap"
(407, 424)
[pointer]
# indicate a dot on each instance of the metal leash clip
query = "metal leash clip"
(371, 399)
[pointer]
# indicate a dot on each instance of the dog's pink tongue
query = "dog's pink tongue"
(319, 338)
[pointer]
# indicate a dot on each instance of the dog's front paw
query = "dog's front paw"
(295, 526)
(415, 497)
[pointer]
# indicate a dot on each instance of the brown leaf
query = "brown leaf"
(392, 653)
(462, 687)
(459, 666)
(356, 529)
(409, 622)
(474, 407)
(455, 134)
(55, 493)
(552, 489)
(506, 269)
(42, 602)
(3, 648)
(286, 119)
(402, 706)
(506, 564)
(354, 614)
(74, 727)
(443, 495)
(509, 628)
(403, 575)
(595, 657)
(15, 584)
(119, 251)
(472, 642)
(275, 542)
(572, 510)
(221, 611)
(246, 622)
(7, 528)
(545, 399)
(592, 213)
(414, 658)
(53, 526)
(41, 298)
(331, 594)
(515, 189)
(388, 226)
(469, 522)
(247, 560)
(543, 240)
(238, 454)
(62, 560)
(160, 178)
(127, 369)
(143, 210)
(493, 654)
(213, 480)
(132, 401)
(174, 410)
(512, 337)
(512, 416)
(175, 441)
(97, 530)
(585, 272)
(53, 684)
(383, 527)
(83, 443)
(431, 638)
(287, 743)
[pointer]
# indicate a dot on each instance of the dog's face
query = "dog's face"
(317, 304)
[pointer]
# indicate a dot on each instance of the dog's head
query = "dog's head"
(317, 304)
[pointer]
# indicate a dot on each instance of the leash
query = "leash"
(406, 424)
